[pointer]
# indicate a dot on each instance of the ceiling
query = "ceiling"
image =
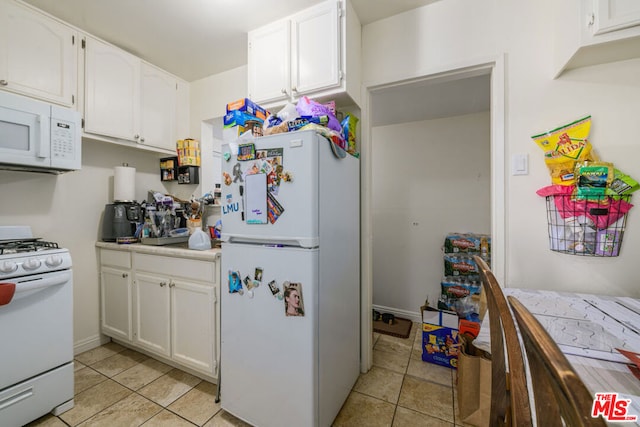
(194, 38)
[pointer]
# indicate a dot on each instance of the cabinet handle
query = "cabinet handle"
(284, 91)
(163, 284)
(294, 89)
(142, 139)
(136, 136)
(4, 82)
(171, 284)
(125, 275)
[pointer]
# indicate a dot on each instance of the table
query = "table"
(587, 328)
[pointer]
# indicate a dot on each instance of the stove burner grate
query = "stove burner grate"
(27, 245)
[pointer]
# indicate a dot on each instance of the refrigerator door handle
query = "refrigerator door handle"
(273, 241)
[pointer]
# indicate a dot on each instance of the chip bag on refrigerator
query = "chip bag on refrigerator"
(564, 147)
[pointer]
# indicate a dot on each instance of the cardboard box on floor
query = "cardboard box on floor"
(439, 336)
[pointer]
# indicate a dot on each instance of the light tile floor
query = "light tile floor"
(116, 386)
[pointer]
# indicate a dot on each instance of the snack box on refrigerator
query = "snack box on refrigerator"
(239, 118)
(247, 105)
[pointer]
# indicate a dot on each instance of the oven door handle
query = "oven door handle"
(41, 282)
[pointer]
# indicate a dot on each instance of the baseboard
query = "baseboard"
(90, 343)
(411, 315)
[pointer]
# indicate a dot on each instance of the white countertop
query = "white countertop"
(167, 250)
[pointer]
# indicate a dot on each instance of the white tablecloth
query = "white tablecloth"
(587, 329)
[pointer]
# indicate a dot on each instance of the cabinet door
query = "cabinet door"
(38, 55)
(158, 108)
(152, 313)
(315, 49)
(115, 303)
(612, 15)
(269, 63)
(193, 332)
(112, 91)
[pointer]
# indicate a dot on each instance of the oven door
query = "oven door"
(36, 326)
(24, 131)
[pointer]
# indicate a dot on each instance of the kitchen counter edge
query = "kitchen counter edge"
(167, 250)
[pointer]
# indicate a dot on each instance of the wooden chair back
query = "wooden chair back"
(559, 394)
(509, 395)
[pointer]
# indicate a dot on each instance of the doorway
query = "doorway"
(466, 98)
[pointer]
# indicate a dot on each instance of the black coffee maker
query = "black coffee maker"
(120, 220)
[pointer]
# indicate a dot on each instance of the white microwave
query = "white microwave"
(39, 137)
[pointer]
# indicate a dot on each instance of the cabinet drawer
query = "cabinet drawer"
(115, 258)
(203, 271)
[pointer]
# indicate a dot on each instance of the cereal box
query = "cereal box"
(439, 337)
(247, 105)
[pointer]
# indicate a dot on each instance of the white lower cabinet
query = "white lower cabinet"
(169, 305)
(116, 302)
(115, 294)
(192, 325)
(152, 312)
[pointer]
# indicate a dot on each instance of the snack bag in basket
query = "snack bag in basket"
(564, 147)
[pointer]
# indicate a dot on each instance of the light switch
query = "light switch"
(520, 164)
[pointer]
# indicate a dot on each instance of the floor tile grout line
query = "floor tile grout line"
(413, 344)
(162, 407)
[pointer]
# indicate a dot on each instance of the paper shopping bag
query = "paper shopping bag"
(474, 384)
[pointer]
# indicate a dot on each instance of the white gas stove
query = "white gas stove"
(36, 327)
(22, 256)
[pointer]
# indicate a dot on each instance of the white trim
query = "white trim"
(90, 343)
(499, 248)
(366, 239)
(414, 316)
(452, 69)
(494, 66)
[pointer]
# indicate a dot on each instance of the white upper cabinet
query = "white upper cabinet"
(112, 91)
(38, 54)
(591, 32)
(315, 49)
(613, 15)
(269, 63)
(159, 94)
(305, 54)
(131, 102)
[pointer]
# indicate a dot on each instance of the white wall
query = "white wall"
(210, 96)
(209, 99)
(429, 178)
(68, 208)
(447, 34)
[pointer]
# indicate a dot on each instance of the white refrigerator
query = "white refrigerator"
(290, 310)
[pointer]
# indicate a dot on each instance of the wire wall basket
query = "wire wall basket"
(592, 227)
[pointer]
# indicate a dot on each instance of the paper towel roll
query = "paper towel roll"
(124, 184)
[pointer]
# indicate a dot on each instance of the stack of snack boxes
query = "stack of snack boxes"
(188, 152)
(243, 115)
(461, 283)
